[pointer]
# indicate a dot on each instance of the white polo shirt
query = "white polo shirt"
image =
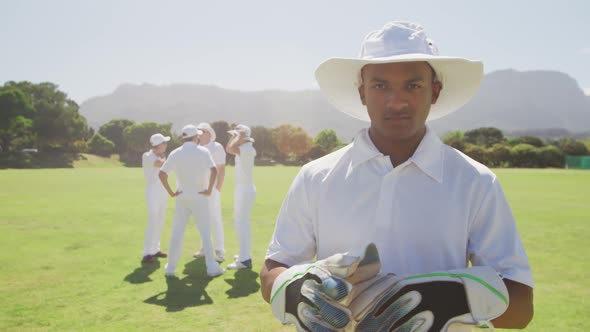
(217, 152)
(437, 211)
(192, 164)
(150, 172)
(245, 164)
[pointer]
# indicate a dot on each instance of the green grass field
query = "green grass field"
(71, 243)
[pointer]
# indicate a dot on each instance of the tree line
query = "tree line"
(285, 144)
(41, 127)
(489, 146)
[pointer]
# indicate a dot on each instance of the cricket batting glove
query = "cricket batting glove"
(315, 297)
(430, 302)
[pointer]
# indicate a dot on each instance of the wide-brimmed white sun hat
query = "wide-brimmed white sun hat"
(207, 127)
(245, 129)
(339, 78)
(241, 128)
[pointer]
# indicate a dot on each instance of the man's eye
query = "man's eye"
(413, 86)
(380, 86)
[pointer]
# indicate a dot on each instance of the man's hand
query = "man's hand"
(345, 293)
(315, 296)
(429, 302)
(174, 194)
(205, 193)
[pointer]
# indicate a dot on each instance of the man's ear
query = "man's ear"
(362, 94)
(436, 89)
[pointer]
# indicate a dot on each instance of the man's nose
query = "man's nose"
(396, 100)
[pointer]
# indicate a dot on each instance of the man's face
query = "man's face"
(205, 138)
(398, 97)
(161, 148)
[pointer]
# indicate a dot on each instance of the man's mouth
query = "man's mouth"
(397, 117)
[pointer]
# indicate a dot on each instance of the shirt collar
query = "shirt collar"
(428, 157)
(363, 148)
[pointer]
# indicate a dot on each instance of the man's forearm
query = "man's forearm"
(520, 310)
(212, 178)
(164, 179)
(220, 176)
(270, 271)
(231, 144)
(234, 144)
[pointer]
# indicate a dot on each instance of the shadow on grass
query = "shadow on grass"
(244, 284)
(186, 292)
(142, 273)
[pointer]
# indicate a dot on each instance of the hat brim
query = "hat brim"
(460, 78)
(186, 135)
(210, 130)
(166, 139)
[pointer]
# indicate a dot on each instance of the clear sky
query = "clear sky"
(89, 47)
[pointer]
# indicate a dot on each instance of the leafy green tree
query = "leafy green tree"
(551, 156)
(316, 152)
(572, 147)
(56, 121)
(487, 136)
(113, 131)
(525, 155)
(292, 142)
(455, 139)
(327, 140)
(499, 155)
(531, 140)
(477, 152)
(15, 120)
(101, 146)
(53, 125)
(221, 128)
(263, 143)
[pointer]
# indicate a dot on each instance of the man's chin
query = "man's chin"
(400, 133)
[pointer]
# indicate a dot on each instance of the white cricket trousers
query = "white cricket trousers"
(216, 221)
(244, 197)
(156, 200)
(198, 207)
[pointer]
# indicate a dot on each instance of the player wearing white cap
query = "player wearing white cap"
(207, 140)
(155, 196)
(241, 146)
(195, 179)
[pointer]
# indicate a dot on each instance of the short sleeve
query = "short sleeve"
(148, 159)
(293, 241)
(210, 161)
(169, 164)
(494, 240)
(247, 152)
(219, 155)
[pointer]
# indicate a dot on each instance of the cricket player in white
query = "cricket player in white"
(409, 234)
(241, 146)
(195, 178)
(207, 140)
(155, 196)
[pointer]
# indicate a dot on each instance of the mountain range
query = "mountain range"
(510, 100)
